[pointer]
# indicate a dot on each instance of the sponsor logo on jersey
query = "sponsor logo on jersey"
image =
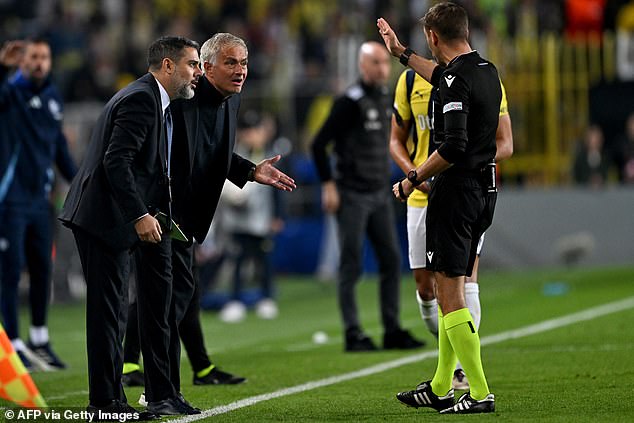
(35, 103)
(454, 105)
(55, 109)
(430, 255)
(372, 122)
(449, 80)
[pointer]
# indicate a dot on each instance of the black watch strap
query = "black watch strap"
(251, 174)
(404, 57)
(412, 177)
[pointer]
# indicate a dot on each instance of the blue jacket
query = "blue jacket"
(31, 140)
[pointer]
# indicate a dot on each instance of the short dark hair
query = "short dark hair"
(170, 47)
(37, 39)
(448, 20)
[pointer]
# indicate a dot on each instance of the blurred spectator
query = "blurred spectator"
(252, 217)
(591, 164)
(624, 157)
(584, 17)
(625, 41)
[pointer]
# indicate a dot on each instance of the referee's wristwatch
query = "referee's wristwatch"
(412, 177)
(404, 57)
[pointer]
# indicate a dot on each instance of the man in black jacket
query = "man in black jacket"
(204, 136)
(122, 183)
(208, 125)
(358, 126)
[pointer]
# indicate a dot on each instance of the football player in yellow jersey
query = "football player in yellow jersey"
(413, 103)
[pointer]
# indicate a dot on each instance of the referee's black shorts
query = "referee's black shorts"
(459, 212)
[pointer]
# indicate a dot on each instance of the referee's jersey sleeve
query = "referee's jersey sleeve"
(454, 95)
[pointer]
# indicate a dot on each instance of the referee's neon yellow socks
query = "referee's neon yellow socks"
(465, 341)
(441, 383)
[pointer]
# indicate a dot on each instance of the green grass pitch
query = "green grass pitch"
(579, 372)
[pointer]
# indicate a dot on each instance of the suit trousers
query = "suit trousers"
(370, 214)
(165, 287)
(106, 272)
(189, 329)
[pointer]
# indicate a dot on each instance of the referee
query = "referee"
(462, 198)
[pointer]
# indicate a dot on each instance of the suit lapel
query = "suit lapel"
(162, 142)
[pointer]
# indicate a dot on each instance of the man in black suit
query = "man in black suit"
(122, 183)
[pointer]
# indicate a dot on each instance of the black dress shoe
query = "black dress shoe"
(401, 340)
(357, 341)
(117, 410)
(218, 377)
(191, 408)
(170, 407)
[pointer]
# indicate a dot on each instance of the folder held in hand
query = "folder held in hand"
(176, 232)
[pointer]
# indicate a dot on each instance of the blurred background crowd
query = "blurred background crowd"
(568, 68)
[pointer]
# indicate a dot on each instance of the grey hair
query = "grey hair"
(211, 48)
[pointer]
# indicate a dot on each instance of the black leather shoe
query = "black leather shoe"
(115, 411)
(357, 341)
(134, 378)
(170, 407)
(401, 340)
(218, 377)
(191, 408)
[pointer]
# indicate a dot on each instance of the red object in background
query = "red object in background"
(584, 17)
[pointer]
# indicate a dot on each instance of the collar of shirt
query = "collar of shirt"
(18, 79)
(373, 90)
(455, 59)
(208, 94)
(165, 98)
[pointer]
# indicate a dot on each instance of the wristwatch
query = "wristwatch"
(412, 177)
(404, 57)
(251, 174)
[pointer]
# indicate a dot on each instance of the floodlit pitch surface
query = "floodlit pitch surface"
(558, 347)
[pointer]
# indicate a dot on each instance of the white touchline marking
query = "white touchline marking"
(66, 395)
(546, 325)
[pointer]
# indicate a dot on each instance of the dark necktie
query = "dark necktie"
(169, 127)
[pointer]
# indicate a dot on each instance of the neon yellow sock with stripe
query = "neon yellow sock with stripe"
(130, 367)
(441, 383)
(465, 341)
(205, 372)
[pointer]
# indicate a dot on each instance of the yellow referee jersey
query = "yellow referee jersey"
(419, 105)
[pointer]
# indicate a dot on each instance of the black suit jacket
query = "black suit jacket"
(122, 175)
(197, 203)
